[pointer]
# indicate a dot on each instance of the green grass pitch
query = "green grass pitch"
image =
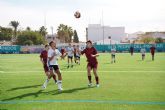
(129, 84)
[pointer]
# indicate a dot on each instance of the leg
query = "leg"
(71, 61)
(89, 75)
(59, 83)
(96, 76)
(68, 61)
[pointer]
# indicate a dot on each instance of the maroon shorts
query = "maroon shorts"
(46, 68)
(92, 65)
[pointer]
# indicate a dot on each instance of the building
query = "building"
(96, 32)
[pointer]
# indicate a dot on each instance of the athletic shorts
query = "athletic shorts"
(70, 57)
(113, 56)
(55, 67)
(77, 57)
(143, 55)
(94, 65)
(46, 68)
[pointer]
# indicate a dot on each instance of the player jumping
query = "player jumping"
(91, 54)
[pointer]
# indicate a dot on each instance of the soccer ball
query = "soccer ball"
(77, 14)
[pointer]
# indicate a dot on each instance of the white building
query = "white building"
(96, 32)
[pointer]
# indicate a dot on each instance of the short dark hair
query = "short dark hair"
(89, 41)
(46, 45)
(50, 43)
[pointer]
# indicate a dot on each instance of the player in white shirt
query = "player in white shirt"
(143, 51)
(113, 53)
(70, 53)
(78, 53)
(53, 55)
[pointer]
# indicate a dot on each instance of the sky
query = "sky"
(134, 15)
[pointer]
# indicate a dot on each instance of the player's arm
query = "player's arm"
(41, 59)
(95, 53)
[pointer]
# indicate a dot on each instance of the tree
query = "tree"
(147, 40)
(28, 28)
(15, 25)
(29, 38)
(43, 31)
(159, 40)
(75, 38)
(5, 33)
(64, 33)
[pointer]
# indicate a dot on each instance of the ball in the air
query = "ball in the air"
(77, 14)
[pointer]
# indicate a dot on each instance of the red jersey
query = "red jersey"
(44, 56)
(62, 51)
(152, 50)
(88, 52)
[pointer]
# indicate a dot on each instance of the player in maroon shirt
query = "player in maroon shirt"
(152, 50)
(44, 60)
(91, 54)
(62, 52)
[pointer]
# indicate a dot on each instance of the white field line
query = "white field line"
(80, 71)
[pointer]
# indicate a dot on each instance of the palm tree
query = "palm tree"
(64, 33)
(43, 31)
(15, 25)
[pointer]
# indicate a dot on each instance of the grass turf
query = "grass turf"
(128, 80)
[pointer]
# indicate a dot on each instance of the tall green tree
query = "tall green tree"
(75, 38)
(159, 40)
(5, 33)
(15, 25)
(29, 38)
(65, 33)
(43, 31)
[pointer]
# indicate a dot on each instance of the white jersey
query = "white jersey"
(113, 51)
(70, 51)
(143, 51)
(51, 53)
(78, 51)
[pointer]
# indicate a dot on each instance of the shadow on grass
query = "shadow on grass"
(25, 87)
(53, 92)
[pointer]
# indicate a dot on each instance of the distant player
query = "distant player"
(131, 50)
(74, 52)
(70, 53)
(113, 53)
(53, 55)
(44, 60)
(62, 52)
(91, 54)
(143, 51)
(78, 53)
(152, 50)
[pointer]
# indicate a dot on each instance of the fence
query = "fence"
(101, 48)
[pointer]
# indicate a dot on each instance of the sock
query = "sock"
(54, 77)
(89, 78)
(59, 82)
(97, 80)
(46, 82)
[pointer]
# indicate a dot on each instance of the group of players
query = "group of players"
(50, 55)
(142, 51)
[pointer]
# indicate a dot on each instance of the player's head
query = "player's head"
(89, 44)
(52, 44)
(46, 47)
(70, 45)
